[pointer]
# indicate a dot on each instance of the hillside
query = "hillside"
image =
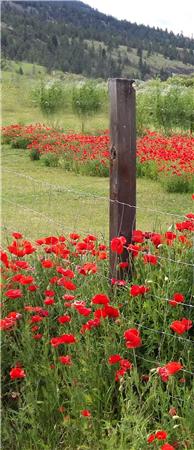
(73, 37)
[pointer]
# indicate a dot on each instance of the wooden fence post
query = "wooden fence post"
(122, 165)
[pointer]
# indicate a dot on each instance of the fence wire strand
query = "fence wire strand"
(89, 194)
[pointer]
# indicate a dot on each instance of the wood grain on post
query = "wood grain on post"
(122, 164)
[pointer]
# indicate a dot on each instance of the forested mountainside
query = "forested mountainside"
(73, 37)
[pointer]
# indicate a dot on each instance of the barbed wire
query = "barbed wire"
(163, 332)
(175, 261)
(92, 195)
(154, 362)
(170, 299)
(59, 224)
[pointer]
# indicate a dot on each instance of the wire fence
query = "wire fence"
(34, 202)
(38, 207)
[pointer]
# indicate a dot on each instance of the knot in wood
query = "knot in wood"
(113, 152)
(131, 85)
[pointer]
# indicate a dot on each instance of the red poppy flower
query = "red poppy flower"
(54, 280)
(14, 293)
(102, 247)
(68, 297)
(66, 360)
(138, 290)
(22, 264)
(167, 447)
(169, 369)
(151, 438)
(85, 413)
(32, 288)
(134, 249)
(47, 263)
(49, 301)
(190, 216)
(102, 255)
(151, 259)
(51, 240)
(119, 374)
(117, 244)
(123, 265)
(100, 299)
(161, 435)
(116, 282)
(37, 336)
(89, 325)
(36, 319)
(74, 236)
(177, 298)
(113, 359)
(180, 326)
(17, 372)
(100, 313)
(125, 364)
(25, 280)
(67, 284)
(173, 366)
(156, 239)
(138, 236)
(87, 269)
(170, 236)
(7, 323)
(4, 259)
(49, 293)
(64, 339)
(17, 235)
(35, 328)
(132, 337)
(111, 311)
(82, 310)
(64, 319)
(65, 272)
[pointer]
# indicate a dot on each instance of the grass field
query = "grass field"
(34, 206)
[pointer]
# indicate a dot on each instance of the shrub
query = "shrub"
(94, 168)
(147, 169)
(49, 98)
(20, 142)
(50, 160)
(34, 154)
(175, 183)
(86, 101)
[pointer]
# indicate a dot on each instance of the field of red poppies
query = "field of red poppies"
(169, 159)
(89, 362)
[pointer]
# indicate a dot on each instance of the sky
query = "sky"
(175, 15)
